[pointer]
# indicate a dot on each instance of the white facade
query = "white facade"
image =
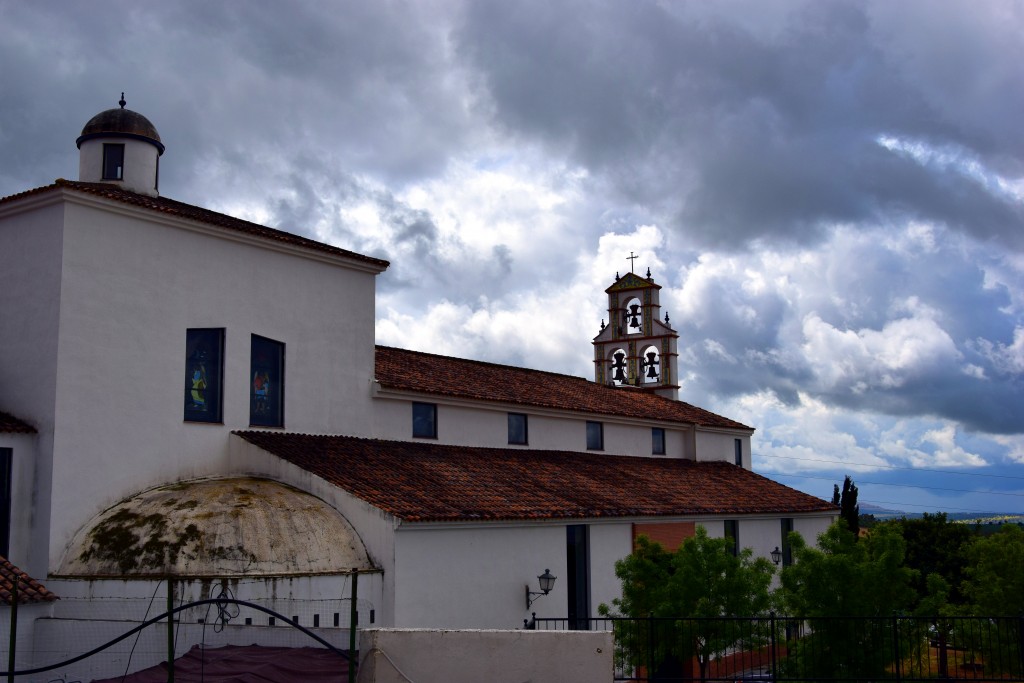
(103, 295)
(466, 423)
(96, 298)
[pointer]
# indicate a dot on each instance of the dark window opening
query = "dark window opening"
(578, 566)
(657, 441)
(595, 436)
(113, 161)
(787, 549)
(517, 429)
(6, 486)
(738, 458)
(266, 382)
(424, 420)
(732, 533)
(204, 371)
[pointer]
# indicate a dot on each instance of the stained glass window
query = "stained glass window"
(204, 369)
(266, 383)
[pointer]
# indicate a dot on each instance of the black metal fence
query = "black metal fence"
(773, 648)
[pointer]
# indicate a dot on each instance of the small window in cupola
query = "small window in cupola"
(113, 161)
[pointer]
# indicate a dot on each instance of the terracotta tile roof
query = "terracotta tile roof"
(182, 210)
(29, 590)
(414, 371)
(10, 424)
(420, 481)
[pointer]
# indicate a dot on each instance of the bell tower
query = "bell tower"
(637, 349)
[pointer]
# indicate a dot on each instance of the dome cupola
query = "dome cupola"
(121, 147)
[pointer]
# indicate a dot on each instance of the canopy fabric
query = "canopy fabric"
(246, 664)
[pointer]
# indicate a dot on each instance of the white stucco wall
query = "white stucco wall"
(129, 287)
(721, 445)
(475, 577)
(472, 576)
(23, 464)
(25, 647)
(609, 543)
(401, 655)
(487, 426)
(30, 288)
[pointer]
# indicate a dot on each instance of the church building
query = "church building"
(194, 400)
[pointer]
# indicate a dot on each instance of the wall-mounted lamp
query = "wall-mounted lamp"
(776, 556)
(546, 581)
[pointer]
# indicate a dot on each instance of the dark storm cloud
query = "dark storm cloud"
(894, 323)
(740, 135)
(832, 190)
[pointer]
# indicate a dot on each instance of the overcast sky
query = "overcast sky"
(831, 194)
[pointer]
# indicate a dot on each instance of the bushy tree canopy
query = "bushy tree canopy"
(842, 577)
(995, 573)
(700, 579)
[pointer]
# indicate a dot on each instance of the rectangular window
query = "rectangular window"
(204, 372)
(595, 436)
(657, 441)
(517, 429)
(266, 383)
(738, 458)
(113, 161)
(732, 533)
(6, 471)
(787, 550)
(424, 420)
(577, 546)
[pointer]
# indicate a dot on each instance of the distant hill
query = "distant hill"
(879, 512)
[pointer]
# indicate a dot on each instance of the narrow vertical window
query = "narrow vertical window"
(595, 436)
(787, 549)
(738, 448)
(424, 420)
(6, 471)
(113, 161)
(732, 533)
(266, 383)
(657, 441)
(577, 542)
(204, 370)
(517, 429)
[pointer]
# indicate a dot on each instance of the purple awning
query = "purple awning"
(246, 664)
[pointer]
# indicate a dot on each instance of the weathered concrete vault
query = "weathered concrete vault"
(231, 527)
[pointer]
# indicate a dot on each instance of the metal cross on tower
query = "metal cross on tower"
(631, 258)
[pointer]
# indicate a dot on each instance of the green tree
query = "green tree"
(935, 545)
(702, 579)
(995, 573)
(845, 578)
(848, 508)
(995, 588)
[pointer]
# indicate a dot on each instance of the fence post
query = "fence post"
(772, 651)
(1020, 644)
(11, 657)
(650, 647)
(353, 621)
(170, 630)
(896, 645)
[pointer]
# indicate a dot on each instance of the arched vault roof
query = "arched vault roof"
(212, 528)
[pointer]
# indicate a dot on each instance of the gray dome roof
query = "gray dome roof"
(121, 123)
(214, 528)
